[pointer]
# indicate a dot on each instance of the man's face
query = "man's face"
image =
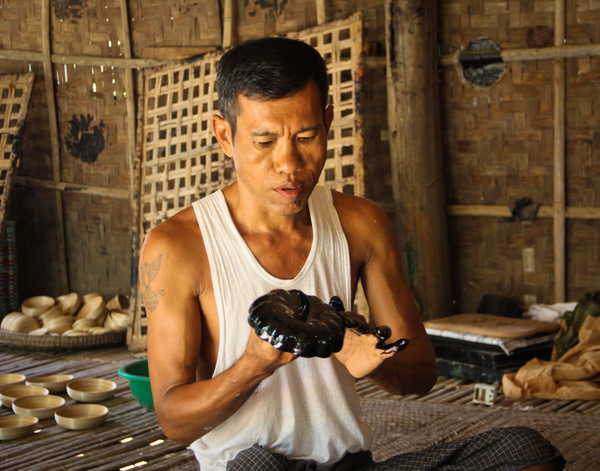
(279, 149)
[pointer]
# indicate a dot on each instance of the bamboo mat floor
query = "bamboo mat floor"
(131, 438)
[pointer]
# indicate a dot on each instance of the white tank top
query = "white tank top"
(307, 409)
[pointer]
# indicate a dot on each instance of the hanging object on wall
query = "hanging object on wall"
(15, 91)
(482, 62)
(85, 140)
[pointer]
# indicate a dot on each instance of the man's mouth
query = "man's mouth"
(289, 190)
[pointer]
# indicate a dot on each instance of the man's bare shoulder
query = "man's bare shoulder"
(357, 210)
(176, 233)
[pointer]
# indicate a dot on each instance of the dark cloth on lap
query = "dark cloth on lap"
(502, 449)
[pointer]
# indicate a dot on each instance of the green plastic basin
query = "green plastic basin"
(136, 372)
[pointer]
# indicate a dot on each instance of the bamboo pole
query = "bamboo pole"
(574, 212)
(107, 192)
(54, 141)
(559, 157)
(93, 61)
(415, 148)
(532, 54)
(321, 12)
(129, 99)
(227, 24)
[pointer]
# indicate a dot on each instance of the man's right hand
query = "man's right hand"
(263, 356)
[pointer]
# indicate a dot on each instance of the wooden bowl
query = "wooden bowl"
(16, 426)
(52, 313)
(19, 322)
(10, 379)
(81, 416)
(60, 324)
(10, 393)
(69, 303)
(53, 383)
(91, 389)
(36, 305)
(42, 407)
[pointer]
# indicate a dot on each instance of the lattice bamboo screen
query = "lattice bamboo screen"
(15, 91)
(181, 161)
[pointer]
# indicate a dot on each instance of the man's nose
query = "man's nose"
(287, 158)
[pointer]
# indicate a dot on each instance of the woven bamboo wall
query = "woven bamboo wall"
(72, 212)
(498, 144)
(72, 202)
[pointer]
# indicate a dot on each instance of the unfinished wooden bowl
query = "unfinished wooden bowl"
(118, 302)
(91, 389)
(93, 308)
(58, 325)
(69, 303)
(118, 320)
(84, 324)
(42, 407)
(52, 313)
(36, 305)
(19, 323)
(11, 379)
(53, 383)
(17, 426)
(81, 416)
(10, 393)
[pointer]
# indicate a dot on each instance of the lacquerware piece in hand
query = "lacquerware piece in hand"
(302, 324)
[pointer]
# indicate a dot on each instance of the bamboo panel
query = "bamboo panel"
(340, 43)
(155, 23)
(93, 126)
(180, 159)
(15, 91)
(256, 18)
(20, 25)
(507, 23)
(87, 28)
(503, 259)
(583, 270)
(98, 241)
(499, 140)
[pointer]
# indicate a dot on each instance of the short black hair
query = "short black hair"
(269, 69)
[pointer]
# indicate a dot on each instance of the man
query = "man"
(236, 400)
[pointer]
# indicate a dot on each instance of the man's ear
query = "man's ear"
(328, 117)
(222, 131)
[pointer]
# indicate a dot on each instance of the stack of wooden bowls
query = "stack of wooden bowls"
(70, 315)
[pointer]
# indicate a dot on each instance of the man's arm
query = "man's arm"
(173, 277)
(376, 259)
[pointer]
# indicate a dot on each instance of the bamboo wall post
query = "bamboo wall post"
(55, 144)
(228, 24)
(415, 145)
(321, 12)
(559, 157)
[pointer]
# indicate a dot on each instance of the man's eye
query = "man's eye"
(264, 143)
(306, 138)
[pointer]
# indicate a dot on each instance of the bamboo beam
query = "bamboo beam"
(531, 54)
(415, 148)
(93, 61)
(107, 192)
(321, 12)
(54, 141)
(227, 24)
(559, 158)
(574, 212)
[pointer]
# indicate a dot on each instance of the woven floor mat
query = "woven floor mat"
(403, 426)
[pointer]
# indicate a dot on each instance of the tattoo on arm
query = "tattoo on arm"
(148, 274)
